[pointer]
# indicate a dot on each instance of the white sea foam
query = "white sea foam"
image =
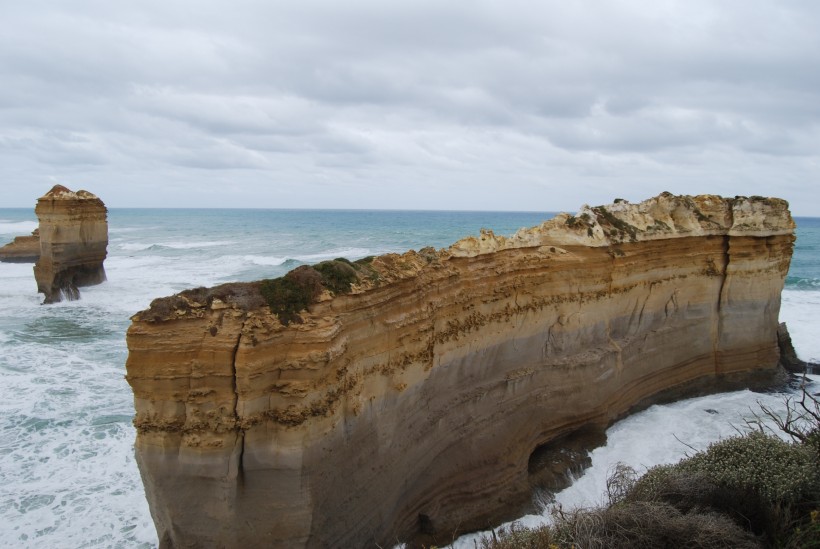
(143, 246)
(265, 261)
(800, 309)
(16, 271)
(348, 253)
(67, 469)
(133, 282)
(194, 245)
(17, 228)
(274, 261)
(117, 230)
(133, 246)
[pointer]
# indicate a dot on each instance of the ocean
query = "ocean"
(68, 477)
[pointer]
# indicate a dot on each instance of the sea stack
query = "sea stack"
(23, 249)
(400, 398)
(73, 243)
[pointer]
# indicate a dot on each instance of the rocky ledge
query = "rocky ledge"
(401, 397)
(73, 243)
(23, 249)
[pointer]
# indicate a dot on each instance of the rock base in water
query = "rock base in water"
(788, 356)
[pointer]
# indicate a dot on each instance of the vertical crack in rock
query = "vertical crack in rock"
(643, 307)
(240, 433)
(721, 296)
(619, 363)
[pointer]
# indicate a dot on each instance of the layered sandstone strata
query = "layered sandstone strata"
(73, 243)
(23, 249)
(411, 405)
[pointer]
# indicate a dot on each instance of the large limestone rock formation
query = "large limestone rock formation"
(411, 405)
(23, 249)
(73, 243)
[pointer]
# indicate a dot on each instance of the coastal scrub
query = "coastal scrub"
(754, 490)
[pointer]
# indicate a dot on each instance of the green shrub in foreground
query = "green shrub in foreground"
(628, 526)
(778, 470)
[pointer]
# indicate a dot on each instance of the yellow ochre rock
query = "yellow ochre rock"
(73, 243)
(408, 407)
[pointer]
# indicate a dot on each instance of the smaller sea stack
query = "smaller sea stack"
(23, 249)
(73, 243)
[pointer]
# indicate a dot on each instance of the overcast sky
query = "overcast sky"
(507, 105)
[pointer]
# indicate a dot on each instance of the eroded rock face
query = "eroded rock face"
(73, 243)
(23, 249)
(410, 406)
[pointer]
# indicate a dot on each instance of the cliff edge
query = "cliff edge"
(73, 243)
(400, 397)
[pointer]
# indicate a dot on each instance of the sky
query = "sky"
(448, 105)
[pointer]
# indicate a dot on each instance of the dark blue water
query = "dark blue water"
(804, 273)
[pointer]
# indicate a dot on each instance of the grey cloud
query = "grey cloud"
(452, 99)
(57, 148)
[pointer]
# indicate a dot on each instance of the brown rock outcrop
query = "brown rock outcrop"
(23, 249)
(411, 405)
(73, 243)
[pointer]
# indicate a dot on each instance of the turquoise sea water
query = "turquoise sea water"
(67, 473)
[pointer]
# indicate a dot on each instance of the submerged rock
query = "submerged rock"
(402, 399)
(788, 356)
(23, 249)
(73, 243)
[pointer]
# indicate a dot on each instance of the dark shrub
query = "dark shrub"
(244, 294)
(337, 275)
(695, 492)
(163, 307)
(648, 525)
(429, 254)
(516, 537)
(295, 291)
(627, 526)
